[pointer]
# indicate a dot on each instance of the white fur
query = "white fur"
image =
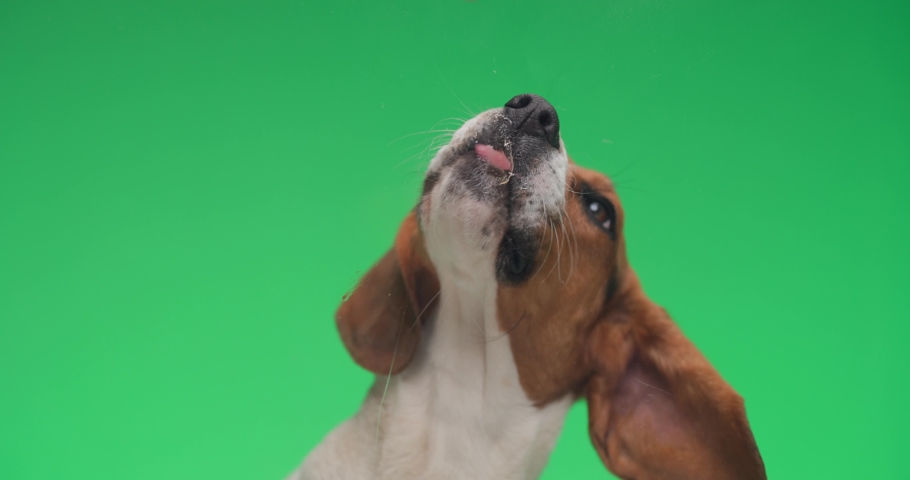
(458, 410)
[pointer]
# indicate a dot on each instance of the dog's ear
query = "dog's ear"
(379, 321)
(656, 407)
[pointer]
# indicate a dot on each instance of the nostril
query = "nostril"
(545, 119)
(519, 101)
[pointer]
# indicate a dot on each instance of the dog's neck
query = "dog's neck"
(460, 403)
(458, 410)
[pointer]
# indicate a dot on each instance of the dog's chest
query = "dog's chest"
(460, 412)
(457, 411)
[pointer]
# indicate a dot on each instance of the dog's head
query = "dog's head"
(503, 201)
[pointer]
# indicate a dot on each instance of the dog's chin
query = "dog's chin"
(476, 228)
(478, 210)
(470, 206)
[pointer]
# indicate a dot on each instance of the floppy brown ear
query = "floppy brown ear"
(656, 407)
(379, 321)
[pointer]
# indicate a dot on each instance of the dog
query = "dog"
(506, 297)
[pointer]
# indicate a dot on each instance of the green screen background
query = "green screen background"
(187, 189)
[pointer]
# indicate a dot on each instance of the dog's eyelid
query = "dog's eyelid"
(589, 197)
(585, 190)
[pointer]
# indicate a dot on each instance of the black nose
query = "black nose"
(532, 115)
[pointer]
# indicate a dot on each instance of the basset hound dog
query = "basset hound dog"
(506, 297)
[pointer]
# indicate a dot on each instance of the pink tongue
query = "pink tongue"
(493, 157)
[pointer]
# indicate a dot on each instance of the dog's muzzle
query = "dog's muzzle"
(498, 183)
(525, 128)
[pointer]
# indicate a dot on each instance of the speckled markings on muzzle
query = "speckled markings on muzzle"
(470, 208)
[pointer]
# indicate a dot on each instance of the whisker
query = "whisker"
(575, 255)
(457, 119)
(441, 138)
(624, 170)
(549, 248)
(432, 145)
(507, 332)
(385, 392)
(626, 187)
(558, 253)
(468, 112)
(569, 188)
(447, 130)
(425, 307)
(388, 379)
(562, 226)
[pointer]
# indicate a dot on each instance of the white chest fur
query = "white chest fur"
(456, 412)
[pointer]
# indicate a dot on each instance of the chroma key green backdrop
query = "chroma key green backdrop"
(187, 189)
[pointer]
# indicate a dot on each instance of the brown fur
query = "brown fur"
(581, 325)
(379, 320)
(657, 408)
(550, 316)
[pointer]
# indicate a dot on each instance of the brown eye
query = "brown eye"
(600, 211)
(600, 214)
